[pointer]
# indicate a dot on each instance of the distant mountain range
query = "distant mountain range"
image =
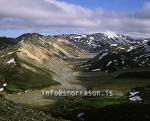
(7, 42)
(89, 42)
(120, 57)
(98, 41)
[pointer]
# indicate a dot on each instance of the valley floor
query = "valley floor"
(69, 78)
(65, 75)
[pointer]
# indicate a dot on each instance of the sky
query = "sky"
(129, 17)
(115, 5)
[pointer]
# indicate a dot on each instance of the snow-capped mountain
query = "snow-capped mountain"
(98, 41)
(120, 57)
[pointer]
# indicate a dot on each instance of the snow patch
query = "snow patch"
(111, 34)
(1, 89)
(135, 98)
(91, 38)
(11, 61)
(96, 70)
(84, 36)
(42, 40)
(84, 66)
(90, 42)
(110, 62)
(103, 55)
(131, 48)
(5, 84)
(121, 48)
(123, 62)
(145, 41)
(133, 93)
(114, 45)
(78, 37)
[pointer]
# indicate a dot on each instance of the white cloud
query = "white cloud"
(45, 13)
(49, 15)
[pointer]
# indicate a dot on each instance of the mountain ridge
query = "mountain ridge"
(34, 55)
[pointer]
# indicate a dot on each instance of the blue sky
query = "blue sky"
(115, 5)
(130, 17)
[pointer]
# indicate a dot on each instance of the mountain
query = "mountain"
(7, 42)
(120, 57)
(34, 60)
(98, 41)
(27, 59)
(58, 47)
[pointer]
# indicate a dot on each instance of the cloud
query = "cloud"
(59, 16)
(45, 13)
